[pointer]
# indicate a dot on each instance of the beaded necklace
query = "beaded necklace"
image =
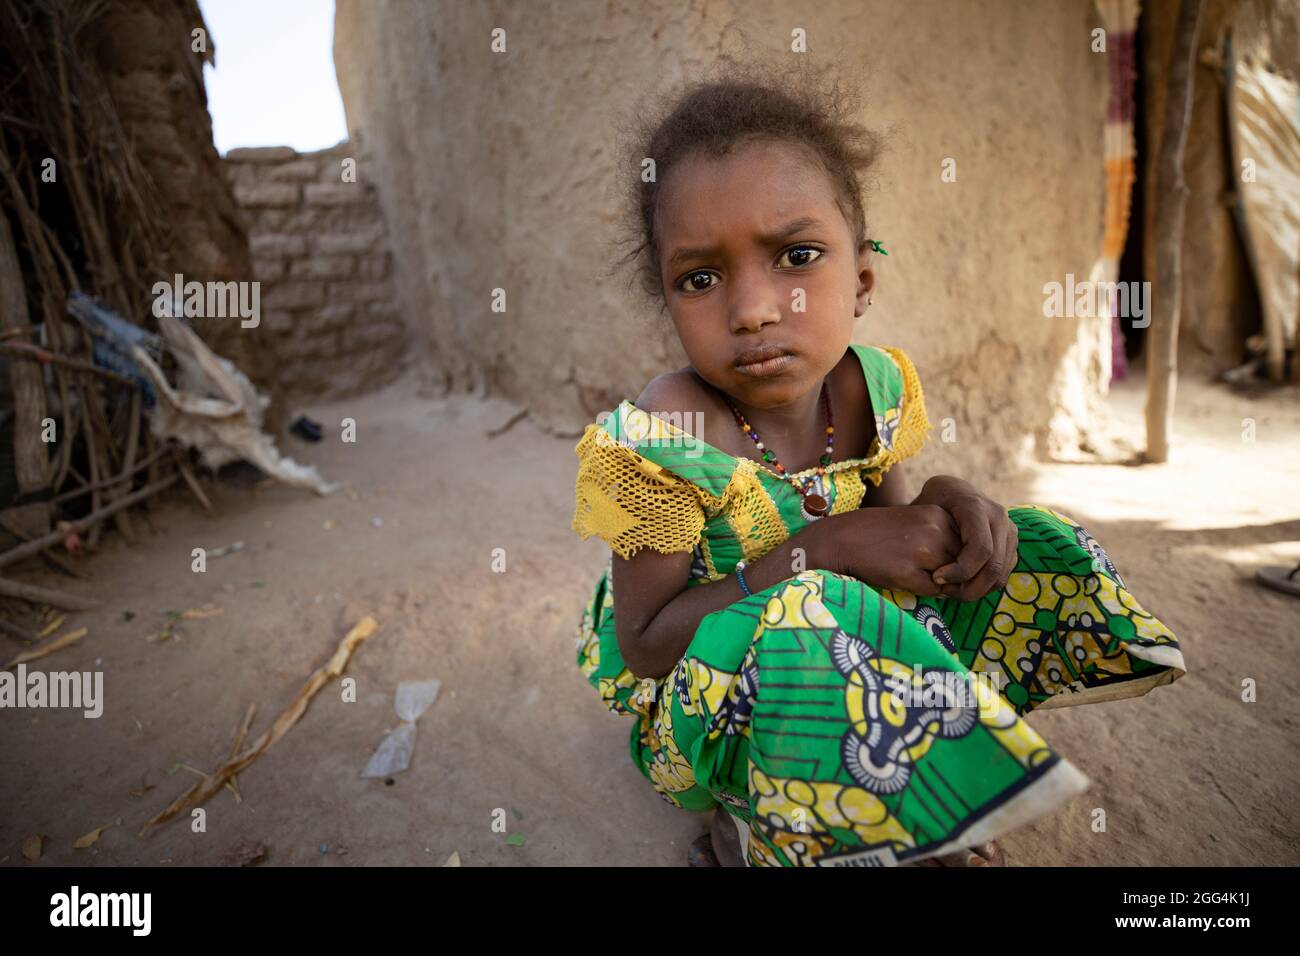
(812, 506)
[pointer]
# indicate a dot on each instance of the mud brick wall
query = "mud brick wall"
(320, 252)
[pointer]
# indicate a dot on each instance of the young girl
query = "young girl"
(839, 668)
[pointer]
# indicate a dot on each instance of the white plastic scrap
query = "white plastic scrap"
(217, 410)
(393, 754)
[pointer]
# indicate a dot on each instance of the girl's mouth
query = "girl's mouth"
(768, 366)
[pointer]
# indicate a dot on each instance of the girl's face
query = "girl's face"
(757, 263)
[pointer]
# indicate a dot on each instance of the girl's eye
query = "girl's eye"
(690, 283)
(798, 257)
(803, 255)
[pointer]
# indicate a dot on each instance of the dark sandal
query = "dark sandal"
(1280, 579)
(700, 852)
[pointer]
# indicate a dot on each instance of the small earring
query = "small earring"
(869, 300)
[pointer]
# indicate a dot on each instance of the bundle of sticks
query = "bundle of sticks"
(77, 212)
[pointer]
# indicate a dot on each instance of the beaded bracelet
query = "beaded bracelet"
(740, 577)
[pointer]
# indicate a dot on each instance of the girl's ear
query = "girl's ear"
(866, 281)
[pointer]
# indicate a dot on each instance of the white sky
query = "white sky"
(274, 84)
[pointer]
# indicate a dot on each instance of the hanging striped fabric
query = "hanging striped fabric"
(1119, 18)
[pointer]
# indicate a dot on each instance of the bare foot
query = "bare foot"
(982, 854)
(700, 852)
(719, 847)
(726, 839)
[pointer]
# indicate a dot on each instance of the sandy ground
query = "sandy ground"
(1190, 774)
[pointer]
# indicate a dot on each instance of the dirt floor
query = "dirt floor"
(1190, 774)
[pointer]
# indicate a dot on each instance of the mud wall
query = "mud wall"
(320, 253)
(497, 171)
(156, 80)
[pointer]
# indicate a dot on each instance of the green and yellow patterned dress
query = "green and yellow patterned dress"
(841, 724)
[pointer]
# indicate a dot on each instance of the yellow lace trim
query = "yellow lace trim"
(915, 426)
(632, 503)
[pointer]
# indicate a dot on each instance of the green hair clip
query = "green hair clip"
(877, 247)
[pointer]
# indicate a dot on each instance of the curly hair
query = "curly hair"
(808, 106)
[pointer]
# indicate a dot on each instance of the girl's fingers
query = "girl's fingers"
(922, 586)
(950, 569)
(976, 587)
(1007, 553)
(977, 543)
(980, 546)
(994, 573)
(1012, 553)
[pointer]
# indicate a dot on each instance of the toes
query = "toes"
(990, 854)
(982, 854)
(960, 858)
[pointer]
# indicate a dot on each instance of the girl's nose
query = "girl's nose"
(754, 304)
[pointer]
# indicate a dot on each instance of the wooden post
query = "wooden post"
(92, 520)
(1171, 196)
(31, 454)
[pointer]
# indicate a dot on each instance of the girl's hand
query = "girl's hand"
(989, 539)
(896, 547)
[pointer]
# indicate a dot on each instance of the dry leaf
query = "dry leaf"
(91, 838)
(48, 648)
(454, 859)
(32, 848)
(202, 613)
(243, 729)
(205, 788)
(233, 783)
(50, 628)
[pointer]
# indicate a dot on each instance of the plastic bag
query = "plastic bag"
(393, 755)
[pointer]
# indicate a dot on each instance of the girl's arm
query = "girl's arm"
(893, 546)
(656, 615)
(891, 492)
